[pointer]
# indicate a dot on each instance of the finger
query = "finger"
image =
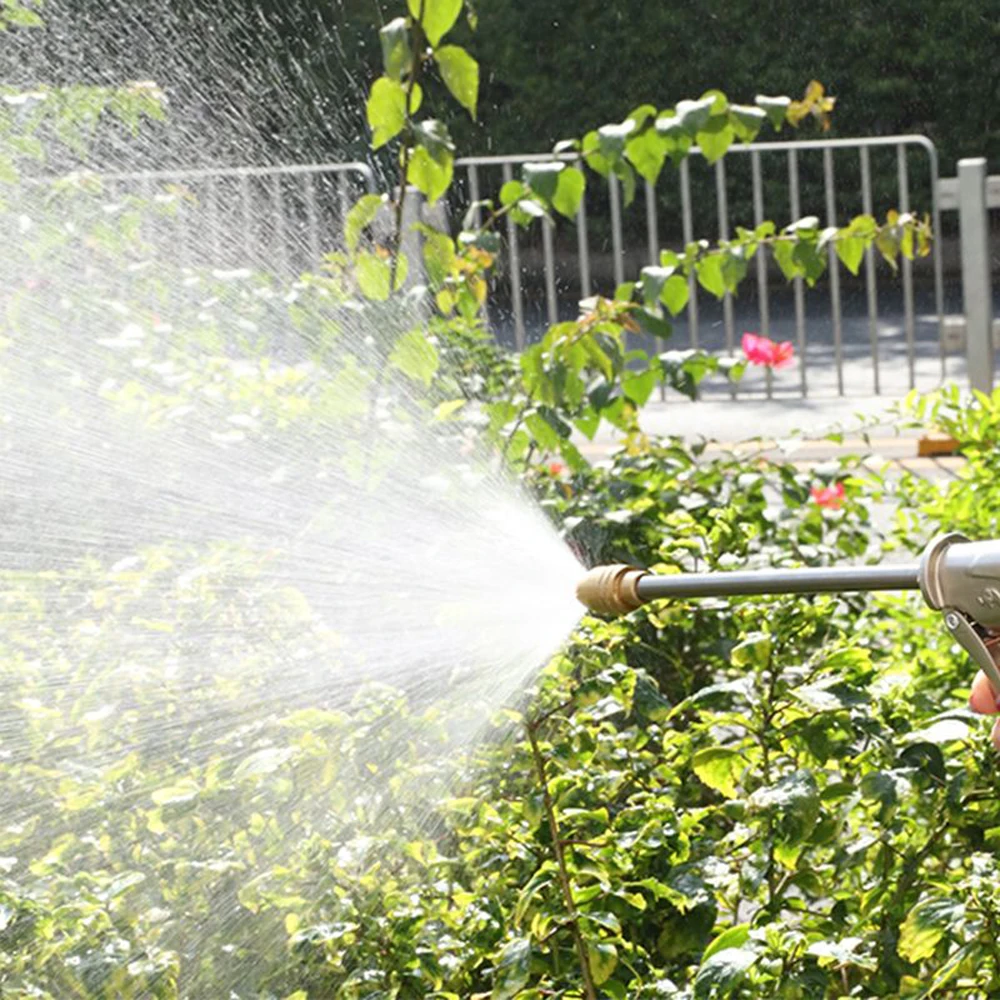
(983, 698)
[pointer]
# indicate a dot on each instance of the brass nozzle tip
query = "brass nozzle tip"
(611, 590)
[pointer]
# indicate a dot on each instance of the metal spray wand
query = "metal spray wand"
(959, 577)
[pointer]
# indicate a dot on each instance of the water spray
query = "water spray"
(956, 576)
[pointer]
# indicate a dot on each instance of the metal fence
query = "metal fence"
(878, 332)
(881, 332)
(281, 218)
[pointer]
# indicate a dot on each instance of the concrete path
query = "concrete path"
(794, 429)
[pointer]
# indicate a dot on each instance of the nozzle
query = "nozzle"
(611, 590)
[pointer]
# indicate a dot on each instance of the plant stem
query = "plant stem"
(557, 849)
(404, 168)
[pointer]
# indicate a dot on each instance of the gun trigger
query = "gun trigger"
(978, 641)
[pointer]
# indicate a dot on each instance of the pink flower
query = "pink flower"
(764, 351)
(556, 468)
(830, 497)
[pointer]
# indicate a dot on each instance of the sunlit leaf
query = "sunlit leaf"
(460, 73)
(436, 17)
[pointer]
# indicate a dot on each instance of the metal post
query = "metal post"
(976, 292)
(411, 243)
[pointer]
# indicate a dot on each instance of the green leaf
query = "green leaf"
(784, 254)
(602, 957)
(386, 110)
(693, 115)
(432, 162)
(926, 924)
(747, 121)
(674, 296)
(512, 192)
(595, 159)
(732, 937)
(884, 787)
(734, 268)
(722, 972)
(794, 803)
(653, 323)
(775, 108)
(719, 768)
(373, 272)
(397, 55)
(460, 73)
(709, 271)
(639, 386)
(611, 140)
(653, 280)
(715, 138)
(809, 259)
(414, 355)
(851, 251)
(362, 214)
(439, 256)
(569, 192)
(624, 172)
(513, 969)
(647, 153)
(543, 178)
(436, 17)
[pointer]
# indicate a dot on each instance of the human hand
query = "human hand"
(985, 700)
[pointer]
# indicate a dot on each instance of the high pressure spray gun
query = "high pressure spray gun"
(959, 577)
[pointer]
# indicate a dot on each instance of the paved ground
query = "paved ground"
(794, 429)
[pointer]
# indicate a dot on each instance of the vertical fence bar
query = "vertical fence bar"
(833, 263)
(976, 291)
(515, 271)
(147, 194)
(936, 253)
(763, 302)
(312, 220)
(278, 218)
(687, 229)
(617, 253)
(722, 208)
(866, 207)
(614, 190)
(343, 200)
(477, 221)
(548, 253)
(183, 244)
(903, 181)
(214, 226)
(652, 229)
(246, 218)
(477, 212)
(794, 203)
(583, 246)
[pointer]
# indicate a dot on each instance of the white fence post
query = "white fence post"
(976, 292)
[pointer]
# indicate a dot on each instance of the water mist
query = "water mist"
(255, 595)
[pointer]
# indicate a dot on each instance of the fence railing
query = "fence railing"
(841, 333)
(879, 332)
(286, 216)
